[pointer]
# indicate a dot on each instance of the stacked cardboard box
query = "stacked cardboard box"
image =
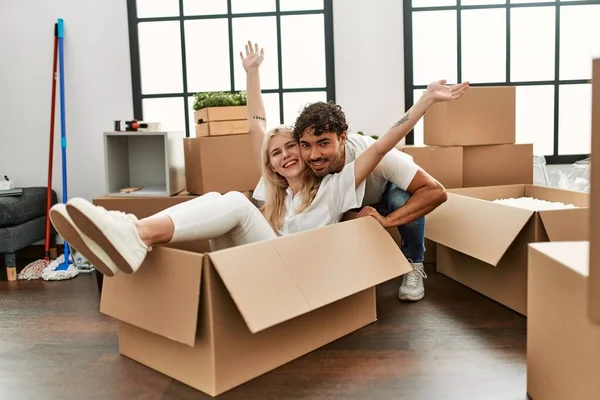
(220, 157)
(471, 142)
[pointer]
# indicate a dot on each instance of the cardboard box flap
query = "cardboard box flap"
(479, 228)
(277, 280)
(566, 225)
(162, 297)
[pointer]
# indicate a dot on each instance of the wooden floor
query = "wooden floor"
(454, 344)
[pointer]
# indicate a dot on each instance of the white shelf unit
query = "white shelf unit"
(153, 161)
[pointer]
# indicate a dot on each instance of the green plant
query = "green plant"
(219, 99)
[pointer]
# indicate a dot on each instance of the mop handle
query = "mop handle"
(63, 129)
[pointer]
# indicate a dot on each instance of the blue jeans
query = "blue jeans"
(413, 233)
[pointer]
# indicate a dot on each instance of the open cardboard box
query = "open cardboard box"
(483, 245)
(216, 320)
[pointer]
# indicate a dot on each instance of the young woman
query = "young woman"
(296, 199)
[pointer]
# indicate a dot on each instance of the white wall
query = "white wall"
(369, 62)
(369, 81)
(97, 89)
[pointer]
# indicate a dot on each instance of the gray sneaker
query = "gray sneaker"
(412, 288)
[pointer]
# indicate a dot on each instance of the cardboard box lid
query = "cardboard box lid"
(470, 223)
(292, 275)
(158, 297)
(477, 227)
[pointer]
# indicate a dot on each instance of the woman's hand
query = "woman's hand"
(253, 58)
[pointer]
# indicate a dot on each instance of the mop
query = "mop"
(62, 267)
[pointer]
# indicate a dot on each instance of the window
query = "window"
(542, 47)
(182, 47)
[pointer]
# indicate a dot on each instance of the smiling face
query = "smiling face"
(323, 153)
(321, 131)
(284, 156)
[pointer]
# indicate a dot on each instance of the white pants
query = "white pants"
(226, 220)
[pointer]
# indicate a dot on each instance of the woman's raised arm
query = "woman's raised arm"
(256, 110)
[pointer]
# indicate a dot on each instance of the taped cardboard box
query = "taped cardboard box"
(594, 292)
(220, 164)
(216, 320)
(563, 345)
(483, 115)
(483, 244)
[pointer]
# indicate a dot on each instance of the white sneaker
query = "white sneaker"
(79, 241)
(115, 231)
(412, 288)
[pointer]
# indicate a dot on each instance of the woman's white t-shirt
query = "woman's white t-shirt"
(336, 195)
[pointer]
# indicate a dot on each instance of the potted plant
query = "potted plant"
(219, 106)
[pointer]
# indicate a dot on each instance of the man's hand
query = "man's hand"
(370, 211)
(253, 58)
(439, 91)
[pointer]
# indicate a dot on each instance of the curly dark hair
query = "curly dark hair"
(322, 117)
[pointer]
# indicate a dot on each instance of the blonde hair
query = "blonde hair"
(276, 185)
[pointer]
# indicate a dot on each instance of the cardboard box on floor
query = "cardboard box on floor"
(482, 116)
(483, 244)
(563, 346)
(220, 164)
(216, 320)
(594, 292)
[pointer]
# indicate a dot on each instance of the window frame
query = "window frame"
(556, 83)
(135, 61)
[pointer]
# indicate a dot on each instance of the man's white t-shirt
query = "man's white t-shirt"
(396, 167)
(336, 195)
